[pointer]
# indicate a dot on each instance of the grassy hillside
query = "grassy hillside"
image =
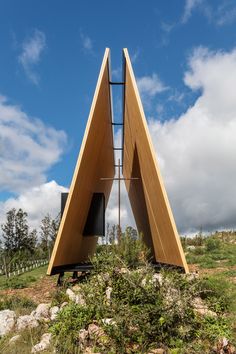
(132, 309)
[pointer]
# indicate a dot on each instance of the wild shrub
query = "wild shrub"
(212, 244)
(142, 309)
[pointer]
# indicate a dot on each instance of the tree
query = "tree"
(32, 240)
(9, 231)
(49, 228)
(21, 231)
(17, 241)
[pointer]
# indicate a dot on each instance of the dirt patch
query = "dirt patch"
(40, 291)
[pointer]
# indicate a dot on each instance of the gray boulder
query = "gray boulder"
(43, 344)
(53, 312)
(7, 321)
(27, 321)
(41, 312)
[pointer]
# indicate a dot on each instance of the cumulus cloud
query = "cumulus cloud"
(150, 85)
(37, 202)
(197, 152)
(32, 49)
(28, 148)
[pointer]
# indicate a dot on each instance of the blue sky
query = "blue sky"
(50, 55)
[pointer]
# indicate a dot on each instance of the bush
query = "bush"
(216, 292)
(147, 310)
(212, 244)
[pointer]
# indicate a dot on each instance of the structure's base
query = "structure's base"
(159, 266)
(86, 267)
(78, 267)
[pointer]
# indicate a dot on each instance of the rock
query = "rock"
(41, 312)
(83, 336)
(157, 278)
(7, 321)
(108, 293)
(65, 303)
(71, 294)
(191, 247)
(191, 276)
(95, 331)
(14, 339)
(43, 344)
(53, 312)
(157, 351)
(79, 299)
(26, 321)
(90, 350)
(202, 308)
(108, 321)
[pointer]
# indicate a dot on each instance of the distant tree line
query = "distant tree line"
(19, 243)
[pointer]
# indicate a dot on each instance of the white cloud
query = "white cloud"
(226, 13)
(150, 85)
(87, 42)
(197, 152)
(28, 148)
(32, 49)
(37, 202)
(220, 15)
(190, 5)
(127, 218)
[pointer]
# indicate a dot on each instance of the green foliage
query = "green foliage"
(67, 325)
(218, 250)
(212, 244)
(129, 252)
(18, 282)
(19, 304)
(28, 338)
(217, 293)
(58, 297)
(147, 310)
(214, 328)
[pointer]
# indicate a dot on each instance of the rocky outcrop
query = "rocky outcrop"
(76, 297)
(26, 321)
(43, 344)
(53, 312)
(41, 312)
(201, 308)
(7, 321)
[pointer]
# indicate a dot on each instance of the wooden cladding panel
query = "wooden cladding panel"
(96, 160)
(147, 195)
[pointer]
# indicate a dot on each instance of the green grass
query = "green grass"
(20, 304)
(25, 343)
(222, 256)
(22, 280)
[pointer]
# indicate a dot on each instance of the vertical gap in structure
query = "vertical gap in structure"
(118, 211)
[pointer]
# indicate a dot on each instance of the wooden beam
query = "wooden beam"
(96, 159)
(147, 195)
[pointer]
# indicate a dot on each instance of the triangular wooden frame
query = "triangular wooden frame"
(96, 160)
(148, 198)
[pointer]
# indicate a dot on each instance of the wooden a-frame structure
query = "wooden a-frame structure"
(144, 184)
